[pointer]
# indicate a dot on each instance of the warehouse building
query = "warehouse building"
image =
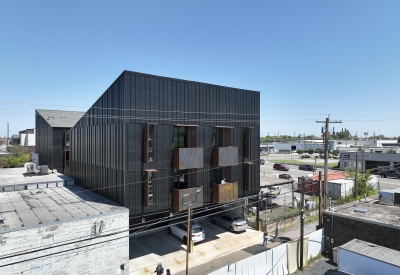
(366, 220)
(153, 143)
(56, 228)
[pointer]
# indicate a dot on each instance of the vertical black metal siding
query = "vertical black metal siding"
(108, 144)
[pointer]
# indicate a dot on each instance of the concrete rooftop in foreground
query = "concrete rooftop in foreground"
(18, 177)
(51, 205)
(376, 212)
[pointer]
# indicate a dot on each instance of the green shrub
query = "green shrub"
(15, 161)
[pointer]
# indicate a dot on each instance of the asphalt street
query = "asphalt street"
(385, 183)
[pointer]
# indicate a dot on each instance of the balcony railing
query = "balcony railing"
(177, 195)
(225, 156)
(227, 192)
(188, 158)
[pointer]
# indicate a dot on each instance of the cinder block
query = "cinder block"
(9, 188)
(60, 183)
(42, 185)
(52, 184)
(31, 186)
(69, 182)
(19, 187)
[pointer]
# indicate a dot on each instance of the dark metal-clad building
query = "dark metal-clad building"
(150, 142)
(52, 139)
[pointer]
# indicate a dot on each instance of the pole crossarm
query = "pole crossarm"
(326, 137)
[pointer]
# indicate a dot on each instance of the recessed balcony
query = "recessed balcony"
(222, 193)
(187, 195)
(188, 158)
(224, 156)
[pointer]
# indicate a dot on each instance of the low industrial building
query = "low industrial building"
(61, 229)
(366, 161)
(359, 257)
(366, 220)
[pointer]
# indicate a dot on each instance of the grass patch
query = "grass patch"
(350, 198)
(265, 172)
(311, 219)
(311, 161)
(313, 259)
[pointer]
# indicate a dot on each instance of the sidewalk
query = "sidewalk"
(286, 234)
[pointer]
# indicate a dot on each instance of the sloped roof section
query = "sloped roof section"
(60, 119)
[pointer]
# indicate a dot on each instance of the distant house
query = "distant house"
(52, 138)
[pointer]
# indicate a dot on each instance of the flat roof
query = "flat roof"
(373, 251)
(20, 179)
(37, 207)
(377, 213)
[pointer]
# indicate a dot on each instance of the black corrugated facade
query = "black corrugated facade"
(51, 126)
(106, 145)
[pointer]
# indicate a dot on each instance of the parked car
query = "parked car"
(281, 167)
(285, 176)
(307, 167)
(390, 174)
(180, 230)
(262, 161)
(272, 191)
(305, 156)
(231, 221)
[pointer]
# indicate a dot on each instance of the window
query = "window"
(181, 179)
(149, 143)
(148, 187)
(180, 137)
(66, 138)
(221, 136)
(66, 159)
(247, 167)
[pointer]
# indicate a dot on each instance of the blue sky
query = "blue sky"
(307, 58)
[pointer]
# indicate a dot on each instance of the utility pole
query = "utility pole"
(189, 227)
(355, 180)
(302, 224)
(327, 121)
(320, 199)
(258, 211)
(8, 133)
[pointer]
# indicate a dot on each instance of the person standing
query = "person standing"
(265, 243)
(223, 181)
(168, 272)
(277, 229)
(159, 269)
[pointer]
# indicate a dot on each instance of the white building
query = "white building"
(49, 228)
(27, 137)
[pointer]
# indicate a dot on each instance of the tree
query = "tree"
(300, 152)
(398, 139)
(310, 151)
(361, 182)
(342, 135)
(360, 149)
(391, 151)
(17, 158)
(335, 152)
